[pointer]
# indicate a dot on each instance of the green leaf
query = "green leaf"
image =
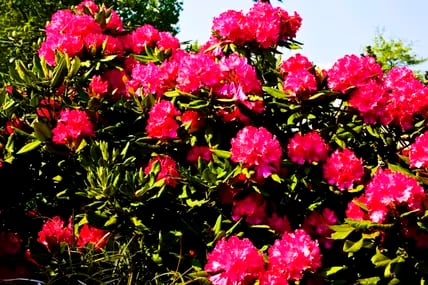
(111, 221)
(59, 72)
(380, 260)
(275, 92)
(29, 146)
(350, 246)
(369, 281)
(341, 231)
(222, 153)
(332, 270)
(41, 131)
(217, 226)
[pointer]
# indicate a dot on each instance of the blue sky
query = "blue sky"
(331, 28)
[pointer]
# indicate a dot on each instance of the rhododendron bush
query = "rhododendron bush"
(129, 158)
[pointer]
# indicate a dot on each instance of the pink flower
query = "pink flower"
(405, 97)
(199, 152)
(161, 123)
(300, 83)
(386, 190)
(295, 63)
(168, 169)
(239, 78)
(196, 70)
(234, 261)
(418, 154)
(146, 35)
(193, 121)
(308, 148)
(228, 25)
(91, 235)
(252, 208)
(167, 42)
(88, 5)
(72, 126)
(114, 22)
(317, 225)
(353, 71)
(354, 211)
(97, 87)
(343, 168)
(279, 224)
(54, 232)
(289, 257)
(264, 21)
(258, 148)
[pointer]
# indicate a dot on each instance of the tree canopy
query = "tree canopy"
(23, 22)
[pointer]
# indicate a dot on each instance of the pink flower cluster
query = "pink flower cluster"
(317, 225)
(81, 31)
(161, 123)
(234, 261)
(167, 169)
(308, 148)
(353, 71)
(258, 148)
(72, 126)
(343, 168)
(289, 257)
(237, 261)
(391, 98)
(54, 232)
(263, 24)
(252, 208)
(418, 154)
(386, 190)
(299, 81)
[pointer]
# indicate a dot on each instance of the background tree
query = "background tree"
(393, 52)
(23, 21)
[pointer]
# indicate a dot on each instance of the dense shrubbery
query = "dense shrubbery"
(130, 160)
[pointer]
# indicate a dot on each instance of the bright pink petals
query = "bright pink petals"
(258, 148)
(265, 25)
(234, 261)
(418, 154)
(167, 169)
(72, 127)
(386, 190)
(91, 235)
(308, 148)
(353, 71)
(55, 232)
(317, 225)
(343, 168)
(290, 256)
(161, 123)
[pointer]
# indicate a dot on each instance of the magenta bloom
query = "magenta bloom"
(199, 152)
(295, 63)
(386, 190)
(280, 224)
(98, 87)
(193, 120)
(143, 36)
(308, 148)
(161, 123)
(72, 126)
(91, 235)
(353, 71)
(55, 232)
(239, 78)
(196, 70)
(342, 169)
(168, 169)
(258, 148)
(234, 261)
(252, 208)
(317, 225)
(405, 97)
(418, 154)
(290, 256)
